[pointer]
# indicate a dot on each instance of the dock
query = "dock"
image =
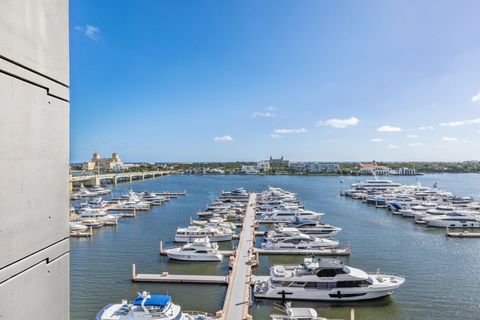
(238, 299)
(462, 234)
(166, 277)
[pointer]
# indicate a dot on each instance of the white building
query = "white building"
(249, 170)
(263, 166)
(315, 167)
(375, 169)
(406, 171)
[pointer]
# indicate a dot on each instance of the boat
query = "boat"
(312, 228)
(453, 220)
(100, 191)
(323, 279)
(297, 314)
(146, 306)
(299, 242)
(291, 215)
(199, 250)
(77, 227)
(215, 234)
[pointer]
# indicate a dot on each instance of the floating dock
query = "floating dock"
(462, 234)
(238, 298)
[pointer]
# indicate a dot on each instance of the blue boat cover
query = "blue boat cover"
(155, 301)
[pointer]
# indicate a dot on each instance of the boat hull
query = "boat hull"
(195, 257)
(219, 238)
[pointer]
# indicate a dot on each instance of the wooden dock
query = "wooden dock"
(462, 234)
(166, 277)
(238, 299)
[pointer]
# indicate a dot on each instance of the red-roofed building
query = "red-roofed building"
(373, 168)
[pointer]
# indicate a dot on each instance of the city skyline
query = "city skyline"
(346, 81)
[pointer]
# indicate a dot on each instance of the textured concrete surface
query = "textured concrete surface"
(34, 156)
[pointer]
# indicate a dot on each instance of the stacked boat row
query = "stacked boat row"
(217, 223)
(427, 205)
(293, 227)
(319, 279)
(95, 212)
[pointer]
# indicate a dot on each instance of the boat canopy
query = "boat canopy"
(154, 301)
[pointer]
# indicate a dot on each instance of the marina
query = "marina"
(148, 250)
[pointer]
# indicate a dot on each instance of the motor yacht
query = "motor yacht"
(77, 227)
(146, 306)
(311, 228)
(215, 234)
(290, 215)
(453, 220)
(199, 250)
(299, 242)
(324, 280)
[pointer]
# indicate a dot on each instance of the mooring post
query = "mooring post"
(134, 271)
(161, 247)
(352, 314)
(91, 231)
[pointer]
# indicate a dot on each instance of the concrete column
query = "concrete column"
(34, 139)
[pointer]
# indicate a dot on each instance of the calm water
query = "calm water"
(442, 274)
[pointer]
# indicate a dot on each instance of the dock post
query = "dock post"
(257, 257)
(190, 220)
(91, 231)
(134, 271)
(352, 314)
(134, 212)
(161, 247)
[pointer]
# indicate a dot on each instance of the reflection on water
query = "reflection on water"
(442, 278)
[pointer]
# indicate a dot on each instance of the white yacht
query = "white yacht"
(290, 215)
(453, 220)
(96, 214)
(100, 191)
(77, 227)
(191, 233)
(299, 242)
(311, 228)
(199, 250)
(147, 306)
(376, 184)
(413, 211)
(297, 314)
(325, 280)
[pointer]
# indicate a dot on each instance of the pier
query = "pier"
(238, 299)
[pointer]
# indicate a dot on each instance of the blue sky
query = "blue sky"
(243, 80)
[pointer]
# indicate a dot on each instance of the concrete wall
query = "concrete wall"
(34, 150)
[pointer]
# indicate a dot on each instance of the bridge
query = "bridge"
(113, 178)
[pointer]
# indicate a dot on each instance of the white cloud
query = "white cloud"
(286, 131)
(426, 128)
(452, 124)
(226, 138)
(275, 135)
(393, 146)
(476, 98)
(389, 129)
(90, 31)
(266, 114)
(338, 123)
(449, 139)
(412, 136)
(376, 140)
(416, 144)
(473, 121)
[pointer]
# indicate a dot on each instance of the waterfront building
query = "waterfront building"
(249, 170)
(104, 164)
(374, 169)
(406, 171)
(314, 167)
(278, 162)
(263, 166)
